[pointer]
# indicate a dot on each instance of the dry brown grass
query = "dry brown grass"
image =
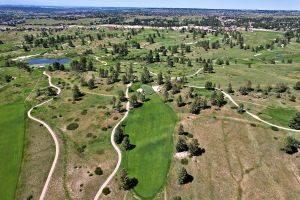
(39, 149)
(242, 161)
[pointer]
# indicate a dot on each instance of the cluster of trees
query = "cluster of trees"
(112, 75)
(198, 104)
(217, 99)
(125, 182)
(121, 49)
(82, 65)
(19, 64)
(146, 76)
(192, 147)
(56, 66)
(150, 58)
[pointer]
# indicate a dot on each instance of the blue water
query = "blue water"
(45, 61)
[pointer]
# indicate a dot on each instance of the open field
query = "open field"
(240, 153)
(149, 161)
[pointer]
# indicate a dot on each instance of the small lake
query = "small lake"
(45, 61)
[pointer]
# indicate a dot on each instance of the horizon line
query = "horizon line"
(140, 7)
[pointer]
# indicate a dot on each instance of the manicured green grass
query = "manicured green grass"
(150, 128)
(278, 115)
(11, 147)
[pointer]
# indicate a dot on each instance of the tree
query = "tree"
(90, 66)
(183, 176)
(281, 87)
(91, 84)
(126, 144)
(180, 130)
(209, 85)
(180, 101)
(166, 96)
(243, 90)
(127, 183)
(76, 93)
(297, 86)
(121, 96)
(241, 108)
(119, 106)
(159, 78)
(295, 122)
(133, 101)
(113, 101)
(50, 91)
(217, 99)
(194, 148)
(98, 171)
(290, 145)
(229, 89)
(119, 136)
(181, 145)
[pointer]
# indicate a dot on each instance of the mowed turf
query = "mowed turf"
(278, 115)
(11, 147)
(150, 128)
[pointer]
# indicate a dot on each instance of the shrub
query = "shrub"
(290, 145)
(84, 112)
(184, 161)
(106, 191)
(274, 128)
(177, 198)
(72, 126)
(98, 171)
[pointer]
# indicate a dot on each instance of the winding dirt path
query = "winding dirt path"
(98, 59)
(115, 147)
(249, 113)
(45, 188)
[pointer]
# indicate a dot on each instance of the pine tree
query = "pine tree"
(295, 122)
(183, 176)
(76, 93)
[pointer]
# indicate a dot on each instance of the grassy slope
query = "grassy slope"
(278, 115)
(150, 160)
(11, 147)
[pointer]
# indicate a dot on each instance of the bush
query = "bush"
(177, 198)
(274, 128)
(98, 171)
(72, 126)
(106, 191)
(84, 112)
(290, 145)
(184, 161)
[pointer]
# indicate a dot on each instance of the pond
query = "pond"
(45, 61)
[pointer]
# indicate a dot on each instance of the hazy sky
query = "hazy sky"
(234, 4)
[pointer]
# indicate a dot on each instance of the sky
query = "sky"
(217, 4)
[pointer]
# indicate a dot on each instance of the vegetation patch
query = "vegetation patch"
(149, 161)
(12, 125)
(278, 115)
(72, 126)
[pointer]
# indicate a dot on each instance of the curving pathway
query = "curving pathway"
(115, 147)
(45, 188)
(98, 59)
(228, 96)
